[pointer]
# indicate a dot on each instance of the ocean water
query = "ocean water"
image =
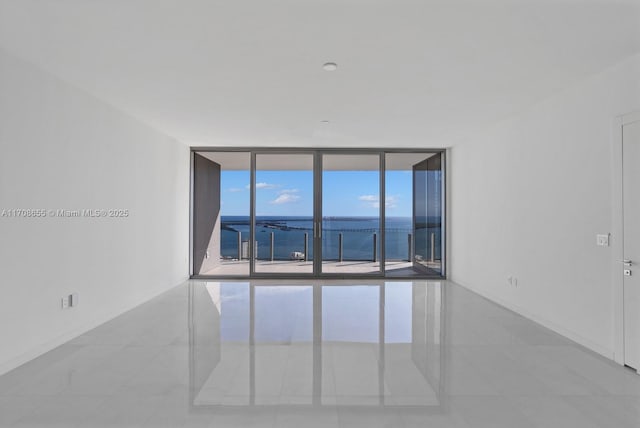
(357, 236)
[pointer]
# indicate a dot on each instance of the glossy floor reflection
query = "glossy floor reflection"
(330, 345)
(325, 354)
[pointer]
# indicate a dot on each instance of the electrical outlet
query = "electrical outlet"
(70, 301)
(514, 282)
(602, 240)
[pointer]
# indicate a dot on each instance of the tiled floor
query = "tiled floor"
(322, 354)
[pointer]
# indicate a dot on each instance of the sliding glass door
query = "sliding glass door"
(283, 218)
(351, 214)
(305, 213)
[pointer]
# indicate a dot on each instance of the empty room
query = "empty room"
(320, 213)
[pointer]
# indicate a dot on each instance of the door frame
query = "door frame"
(252, 214)
(317, 153)
(617, 232)
(319, 215)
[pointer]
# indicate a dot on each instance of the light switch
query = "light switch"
(602, 240)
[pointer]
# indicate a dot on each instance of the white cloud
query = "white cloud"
(392, 201)
(235, 189)
(263, 185)
(283, 191)
(373, 201)
(285, 198)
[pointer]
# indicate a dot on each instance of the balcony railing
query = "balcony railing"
(334, 244)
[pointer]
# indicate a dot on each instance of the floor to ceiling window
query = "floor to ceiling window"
(331, 213)
(427, 215)
(351, 214)
(283, 220)
(220, 213)
(414, 214)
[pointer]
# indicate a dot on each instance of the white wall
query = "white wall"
(528, 198)
(60, 148)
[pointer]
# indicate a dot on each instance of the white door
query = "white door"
(631, 262)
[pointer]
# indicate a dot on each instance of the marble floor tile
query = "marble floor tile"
(332, 354)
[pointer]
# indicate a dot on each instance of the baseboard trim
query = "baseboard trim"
(579, 339)
(43, 348)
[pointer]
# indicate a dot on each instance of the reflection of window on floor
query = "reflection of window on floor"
(333, 345)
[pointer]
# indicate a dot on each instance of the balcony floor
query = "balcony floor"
(241, 267)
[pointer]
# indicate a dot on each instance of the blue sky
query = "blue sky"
(345, 193)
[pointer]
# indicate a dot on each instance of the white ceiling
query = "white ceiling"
(248, 72)
(230, 161)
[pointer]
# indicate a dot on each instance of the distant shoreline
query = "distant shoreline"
(288, 234)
